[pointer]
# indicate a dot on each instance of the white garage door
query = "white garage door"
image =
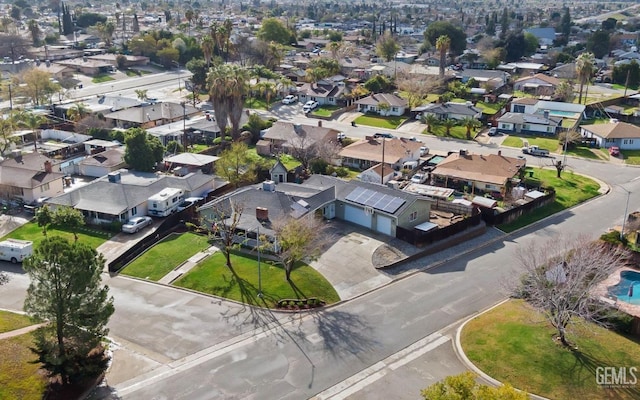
(357, 216)
(383, 224)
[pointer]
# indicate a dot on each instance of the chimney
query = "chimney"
(546, 114)
(499, 152)
(297, 128)
(262, 213)
(114, 177)
(320, 123)
(48, 167)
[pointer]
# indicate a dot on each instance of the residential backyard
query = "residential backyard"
(212, 276)
(166, 255)
(514, 344)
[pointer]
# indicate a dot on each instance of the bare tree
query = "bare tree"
(561, 276)
(300, 239)
(221, 221)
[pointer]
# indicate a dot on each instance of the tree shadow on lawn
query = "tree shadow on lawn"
(296, 290)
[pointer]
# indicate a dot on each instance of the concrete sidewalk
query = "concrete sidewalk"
(187, 265)
(21, 331)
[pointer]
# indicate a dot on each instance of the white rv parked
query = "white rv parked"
(15, 250)
(165, 203)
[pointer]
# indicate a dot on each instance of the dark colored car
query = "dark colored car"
(383, 135)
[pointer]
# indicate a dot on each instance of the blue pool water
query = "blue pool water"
(623, 288)
(559, 113)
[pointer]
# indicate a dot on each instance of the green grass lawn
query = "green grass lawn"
(571, 189)
(256, 103)
(165, 256)
(595, 121)
(584, 152)
(631, 156)
(100, 78)
(19, 377)
(212, 276)
(91, 236)
(325, 111)
(513, 344)
(456, 132)
(289, 161)
(550, 144)
(11, 321)
(197, 148)
(489, 108)
(379, 121)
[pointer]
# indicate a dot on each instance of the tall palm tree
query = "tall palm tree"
(216, 35)
(189, 17)
(584, 69)
(268, 89)
(33, 122)
(442, 45)
(470, 123)
(228, 86)
(226, 38)
(285, 84)
(448, 124)
(77, 112)
(207, 49)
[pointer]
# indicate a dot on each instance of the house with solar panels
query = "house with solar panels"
(375, 207)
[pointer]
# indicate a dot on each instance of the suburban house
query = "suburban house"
(103, 163)
(86, 66)
(382, 104)
(621, 134)
(570, 114)
(489, 79)
(564, 71)
(278, 172)
(538, 84)
(490, 173)
(57, 71)
(325, 93)
(30, 177)
(102, 104)
(450, 110)
(287, 137)
(123, 194)
(369, 152)
(380, 174)
(533, 124)
(130, 61)
(374, 207)
(150, 115)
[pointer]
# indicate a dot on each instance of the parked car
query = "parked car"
(424, 150)
(413, 139)
(383, 135)
(614, 151)
(290, 99)
(493, 132)
(341, 135)
(309, 106)
(418, 178)
(136, 224)
(188, 202)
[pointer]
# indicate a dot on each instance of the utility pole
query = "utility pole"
(382, 171)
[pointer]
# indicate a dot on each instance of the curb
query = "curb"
(457, 347)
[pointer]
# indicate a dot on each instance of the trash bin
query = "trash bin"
(530, 174)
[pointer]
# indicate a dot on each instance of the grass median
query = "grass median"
(213, 277)
(166, 255)
(514, 344)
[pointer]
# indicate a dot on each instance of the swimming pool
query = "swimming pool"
(628, 289)
(559, 113)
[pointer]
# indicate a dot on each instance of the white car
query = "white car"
(136, 224)
(309, 105)
(290, 99)
(188, 202)
(418, 178)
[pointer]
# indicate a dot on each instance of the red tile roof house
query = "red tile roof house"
(621, 134)
(371, 104)
(538, 84)
(489, 173)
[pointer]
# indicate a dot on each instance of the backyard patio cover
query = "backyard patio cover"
(196, 160)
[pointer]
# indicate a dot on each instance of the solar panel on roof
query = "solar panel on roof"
(377, 200)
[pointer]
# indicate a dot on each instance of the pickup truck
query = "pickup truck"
(535, 151)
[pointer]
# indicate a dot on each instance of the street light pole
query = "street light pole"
(10, 98)
(259, 270)
(624, 217)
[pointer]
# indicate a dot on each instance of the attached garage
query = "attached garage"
(383, 224)
(357, 216)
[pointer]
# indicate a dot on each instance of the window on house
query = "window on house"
(134, 211)
(394, 109)
(518, 109)
(330, 99)
(44, 187)
(413, 216)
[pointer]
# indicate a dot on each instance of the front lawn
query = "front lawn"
(379, 121)
(571, 189)
(550, 144)
(456, 132)
(19, 377)
(631, 156)
(163, 257)
(584, 152)
(88, 235)
(11, 321)
(100, 78)
(255, 103)
(325, 111)
(513, 344)
(212, 276)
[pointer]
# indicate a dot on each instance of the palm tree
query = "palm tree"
(189, 16)
(267, 90)
(33, 122)
(141, 93)
(228, 86)
(470, 123)
(77, 112)
(207, 49)
(226, 38)
(334, 47)
(285, 84)
(442, 45)
(448, 124)
(35, 31)
(584, 69)
(432, 121)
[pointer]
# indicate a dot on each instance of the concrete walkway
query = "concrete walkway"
(187, 265)
(21, 331)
